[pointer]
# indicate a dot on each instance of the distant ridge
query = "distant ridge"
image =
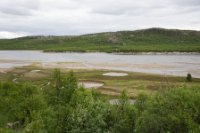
(144, 31)
(144, 40)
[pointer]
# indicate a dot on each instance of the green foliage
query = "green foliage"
(189, 77)
(19, 103)
(88, 115)
(141, 103)
(64, 107)
(122, 117)
(176, 110)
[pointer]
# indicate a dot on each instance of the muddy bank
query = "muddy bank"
(115, 74)
(90, 84)
(129, 53)
(158, 53)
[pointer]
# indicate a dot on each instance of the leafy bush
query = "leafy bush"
(189, 77)
(63, 106)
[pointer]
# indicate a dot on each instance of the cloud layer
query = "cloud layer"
(69, 17)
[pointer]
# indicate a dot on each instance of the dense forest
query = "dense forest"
(147, 40)
(64, 106)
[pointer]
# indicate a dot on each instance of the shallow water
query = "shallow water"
(165, 64)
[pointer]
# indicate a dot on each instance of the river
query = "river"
(164, 64)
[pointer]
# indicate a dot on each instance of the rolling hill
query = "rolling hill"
(146, 40)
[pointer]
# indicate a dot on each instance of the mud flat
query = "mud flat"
(35, 71)
(115, 74)
(90, 84)
(3, 71)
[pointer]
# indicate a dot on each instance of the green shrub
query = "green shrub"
(189, 77)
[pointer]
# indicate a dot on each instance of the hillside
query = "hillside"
(147, 40)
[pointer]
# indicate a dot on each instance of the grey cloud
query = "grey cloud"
(130, 7)
(18, 7)
(117, 7)
(188, 2)
(69, 17)
(16, 11)
(120, 11)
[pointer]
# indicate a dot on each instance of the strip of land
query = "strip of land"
(134, 83)
(147, 40)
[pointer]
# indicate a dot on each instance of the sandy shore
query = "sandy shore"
(145, 68)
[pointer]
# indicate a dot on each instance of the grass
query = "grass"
(148, 40)
(134, 83)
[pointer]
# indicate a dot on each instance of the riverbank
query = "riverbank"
(116, 53)
(164, 64)
(129, 53)
(135, 49)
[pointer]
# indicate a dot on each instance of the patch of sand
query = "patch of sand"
(109, 91)
(115, 74)
(90, 84)
(74, 65)
(149, 66)
(3, 71)
(34, 75)
(35, 71)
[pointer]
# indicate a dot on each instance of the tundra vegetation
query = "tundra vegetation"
(147, 40)
(34, 102)
(63, 106)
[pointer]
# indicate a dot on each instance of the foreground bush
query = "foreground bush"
(63, 106)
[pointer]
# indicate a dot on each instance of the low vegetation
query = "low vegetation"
(148, 40)
(134, 83)
(63, 106)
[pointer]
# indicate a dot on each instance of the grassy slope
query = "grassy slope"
(148, 40)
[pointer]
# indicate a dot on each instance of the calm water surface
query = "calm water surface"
(167, 64)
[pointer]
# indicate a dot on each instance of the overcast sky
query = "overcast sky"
(73, 17)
